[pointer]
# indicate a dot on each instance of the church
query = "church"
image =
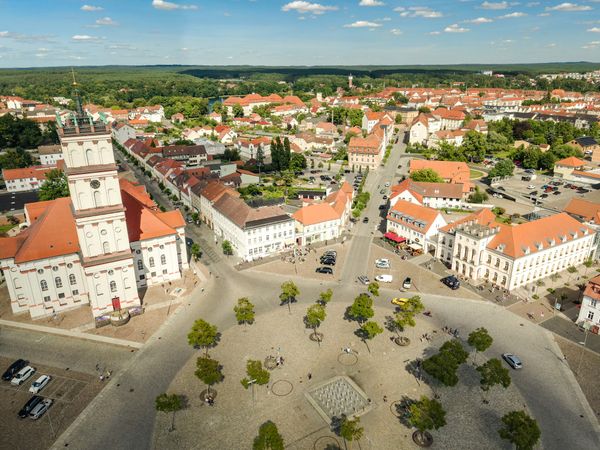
(102, 246)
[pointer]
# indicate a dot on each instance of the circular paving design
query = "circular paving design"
(281, 388)
(347, 359)
(326, 442)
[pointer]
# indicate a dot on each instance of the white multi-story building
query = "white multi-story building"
(49, 154)
(433, 195)
(589, 314)
(78, 250)
(26, 178)
(415, 223)
(253, 232)
(509, 257)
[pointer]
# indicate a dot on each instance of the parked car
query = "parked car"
(385, 197)
(512, 360)
(364, 279)
(27, 407)
(382, 263)
(327, 270)
(407, 283)
(330, 252)
(39, 384)
(22, 375)
(531, 186)
(366, 220)
(382, 191)
(13, 369)
(399, 301)
(544, 196)
(40, 409)
(328, 261)
(387, 184)
(452, 282)
(385, 278)
(556, 193)
(381, 207)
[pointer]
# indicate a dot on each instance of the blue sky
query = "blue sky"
(274, 32)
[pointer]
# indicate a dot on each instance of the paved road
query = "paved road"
(62, 352)
(15, 201)
(122, 416)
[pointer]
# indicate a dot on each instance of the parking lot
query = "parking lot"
(71, 392)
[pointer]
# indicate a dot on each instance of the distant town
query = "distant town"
(231, 261)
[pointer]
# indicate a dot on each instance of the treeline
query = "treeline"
(24, 133)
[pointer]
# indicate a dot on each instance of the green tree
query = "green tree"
(268, 438)
(444, 364)
(203, 335)
(427, 414)
(325, 297)
(503, 168)
(289, 292)
(426, 176)
(55, 186)
(209, 371)
(350, 429)
(227, 248)
(520, 429)
(361, 309)
(480, 340)
(373, 288)
(455, 349)
(237, 110)
(286, 154)
(169, 404)
(297, 162)
(405, 313)
(474, 146)
(368, 331)
(255, 371)
(14, 159)
(315, 314)
(196, 252)
(478, 196)
(492, 372)
(244, 311)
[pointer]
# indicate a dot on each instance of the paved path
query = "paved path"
(123, 415)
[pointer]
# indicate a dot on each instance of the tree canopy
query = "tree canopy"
(520, 429)
(203, 335)
(426, 176)
(268, 438)
(55, 186)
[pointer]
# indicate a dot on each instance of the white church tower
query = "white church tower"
(99, 213)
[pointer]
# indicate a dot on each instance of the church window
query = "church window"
(58, 282)
(40, 271)
(89, 156)
(44, 285)
(105, 247)
(113, 286)
(95, 184)
(72, 279)
(163, 259)
(140, 264)
(151, 262)
(97, 199)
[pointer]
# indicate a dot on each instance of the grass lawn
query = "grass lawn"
(476, 174)
(6, 228)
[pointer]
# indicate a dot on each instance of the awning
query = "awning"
(416, 247)
(394, 237)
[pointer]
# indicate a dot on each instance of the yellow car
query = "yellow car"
(399, 301)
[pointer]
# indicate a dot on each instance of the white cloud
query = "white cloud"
(479, 20)
(371, 3)
(513, 15)
(435, 33)
(84, 38)
(91, 8)
(492, 5)
(591, 45)
(106, 21)
(569, 7)
(303, 7)
(169, 6)
(594, 30)
(454, 28)
(396, 31)
(362, 24)
(418, 11)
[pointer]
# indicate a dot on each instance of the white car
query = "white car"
(39, 384)
(22, 375)
(387, 184)
(40, 409)
(384, 278)
(383, 265)
(531, 186)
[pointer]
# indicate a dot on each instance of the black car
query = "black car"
(13, 369)
(452, 282)
(382, 206)
(27, 407)
(328, 261)
(327, 270)
(556, 193)
(366, 220)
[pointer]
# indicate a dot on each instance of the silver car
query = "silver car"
(40, 409)
(512, 360)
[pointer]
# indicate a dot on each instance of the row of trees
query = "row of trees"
(24, 133)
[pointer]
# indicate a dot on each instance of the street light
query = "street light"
(251, 383)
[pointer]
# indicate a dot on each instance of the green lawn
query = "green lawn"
(6, 228)
(476, 174)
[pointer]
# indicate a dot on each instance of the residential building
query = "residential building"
(122, 132)
(365, 152)
(567, 166)
(415, 223)
(589, 314)
(49, 154)
(25, 179)
(190, 155)
(450, 171)
(509, 257)
(253, 232)
(432, 195)
(588, 145)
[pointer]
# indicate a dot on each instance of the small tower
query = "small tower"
(350, 84)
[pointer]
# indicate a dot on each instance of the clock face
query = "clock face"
(95, 184)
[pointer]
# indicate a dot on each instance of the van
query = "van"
(22, 375)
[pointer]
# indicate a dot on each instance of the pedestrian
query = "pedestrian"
(385, 399)
(309, 375)
(101, 377)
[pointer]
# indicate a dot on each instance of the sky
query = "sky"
(38, 33)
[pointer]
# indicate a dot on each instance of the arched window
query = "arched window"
(105, 247)
(89, 156)
(140, 265)
(151, 261)
(72, 279)
(44, 285)
(97, 199)
(58, 282)
(163, 259)
(113, 286)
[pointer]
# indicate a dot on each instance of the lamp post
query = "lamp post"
(251, 383)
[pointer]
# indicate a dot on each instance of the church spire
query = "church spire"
(78, 105)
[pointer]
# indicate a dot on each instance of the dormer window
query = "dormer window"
(539, 246)
(563, 238)
(526, 250)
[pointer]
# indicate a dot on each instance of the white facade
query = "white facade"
(122, 133)
(319, 232)
(50, 159)
(418, 133)
(23, 184)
